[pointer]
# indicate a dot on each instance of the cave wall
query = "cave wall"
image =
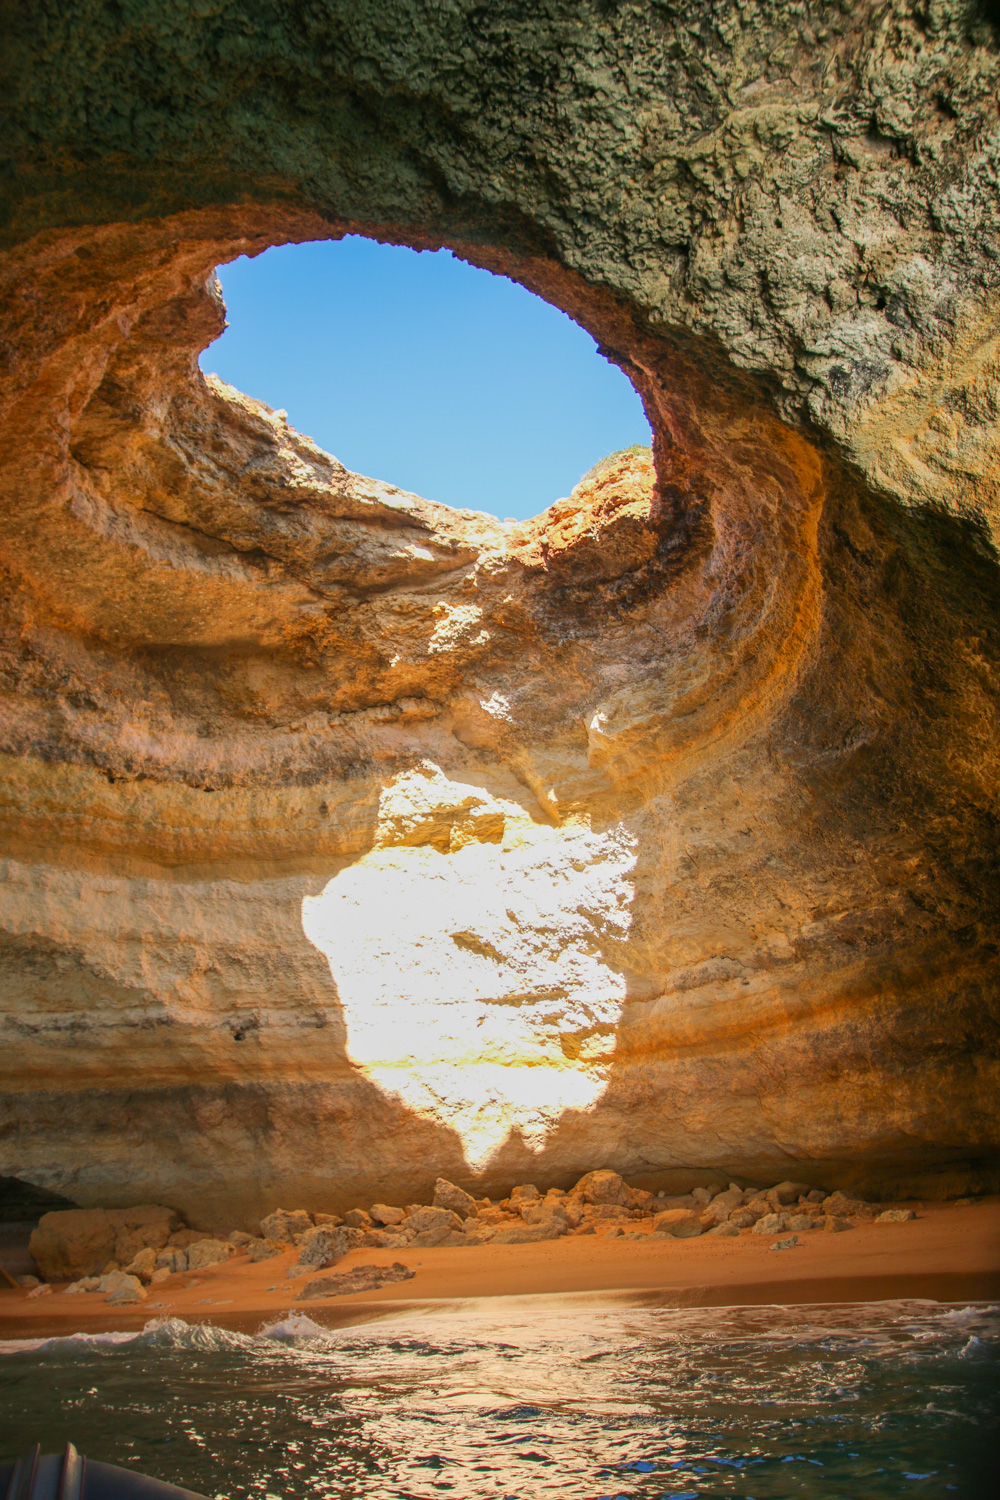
(349, 839)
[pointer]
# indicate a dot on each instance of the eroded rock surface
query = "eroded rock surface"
(351, 841)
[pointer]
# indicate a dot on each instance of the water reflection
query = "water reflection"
(505, 1400)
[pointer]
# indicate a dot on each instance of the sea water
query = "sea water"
(534, 1397)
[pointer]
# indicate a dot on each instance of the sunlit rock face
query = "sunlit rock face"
(350, 841)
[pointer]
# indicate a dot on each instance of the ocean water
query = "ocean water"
(534, 1397)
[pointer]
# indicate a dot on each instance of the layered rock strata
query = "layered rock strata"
(349, 840)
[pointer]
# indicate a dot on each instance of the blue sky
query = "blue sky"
(419, 369)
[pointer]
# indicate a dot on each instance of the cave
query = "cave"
(351, 841)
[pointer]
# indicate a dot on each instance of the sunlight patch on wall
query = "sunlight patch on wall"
(478, 984)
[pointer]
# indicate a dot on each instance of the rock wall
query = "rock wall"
(350, 841)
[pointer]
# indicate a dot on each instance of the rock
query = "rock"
(529, 1234)
(678, 1223)
(431, 1226)
(172, 1261)
(479, 1233)
(770, 1224)
(816, 1195)
(241, 1239)
(896, 1216)
(722, 1205)
(324, 1247)
(329, 1221)
(833, 1225)
(112, 1268)
(207, 1253)
(603, 1189)
(786, 1244)
(109, 1281)
(161, 1274)
(447, 1195)
(384, 1213)
(801, 1222)
(790, 1192)
(43, 1290)
(674, 1200)
(142, 1264)
(743, 1218)
(358, 1279)
(526, 1193)
(147, 1226)
(842, 1207)
(28, 1281)
(75, 1242)
(726, 1231)
(128, 1290)
(261, 1249)
(285, 1225)
(702, 1196)
(85, 1284)
(358, 1218)
(181, 1239)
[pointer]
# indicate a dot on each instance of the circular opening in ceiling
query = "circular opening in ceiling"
(416, 368)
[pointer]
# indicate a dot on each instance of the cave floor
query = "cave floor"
(949, 1253)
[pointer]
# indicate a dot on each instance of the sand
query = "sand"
(949, 1253)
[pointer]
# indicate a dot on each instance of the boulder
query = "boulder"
(529, 1234)
(357, 1218)
(447, 1195)
(603, 1187)
(896, 1216)
(207, 1253)
(790, 1192)
(526, 1193)
(387, 1239)
(147, 1226)
(431, 1226)
(129, 1289)
(182, 1238)
(142, 1264)
(85, 1284)
(800, 1222)
(240, 1239)
(678, 1223)
(723, 1204)
(285, 1225)
(172, 1261)
(384, 1213)
(324, 1247)
(702, 1196)
(727, 1231)
(160, 1274)
(833, 1225)
(842, 1207)
(73, 1242)
(770, 1224)
(327, 1221)
(263, 1250)
(742, 1218)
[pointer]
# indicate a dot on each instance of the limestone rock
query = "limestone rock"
(844, 1207)
(771, 1224)
(790, 1192)
(84, 1284)
(529, 1234)
(285, 1226)
(727, 1230)
(801, 1222)
(604, 1188)
(384, 1213)
(833, 1225)
(143, 1263)
(358, 1279)
(70, 1243)
(896, 1216)
(678, 1223)
(126, 1291)
(240, 1239)
(207, 1253)
(447, 1195)
(172, 1260)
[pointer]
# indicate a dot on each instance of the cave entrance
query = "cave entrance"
(421, 370)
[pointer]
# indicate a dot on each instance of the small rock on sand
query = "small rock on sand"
(833, 1225)
(727, 1231)
(384, 1213)
(896, 1216)
(359, 1279)
(788, 1244)
(128, 1290)
(43, 1290)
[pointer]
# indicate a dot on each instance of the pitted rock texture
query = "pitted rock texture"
(351, 841)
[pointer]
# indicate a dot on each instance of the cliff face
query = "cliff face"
(350, 840)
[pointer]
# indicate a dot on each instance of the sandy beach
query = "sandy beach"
(949, 1253)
